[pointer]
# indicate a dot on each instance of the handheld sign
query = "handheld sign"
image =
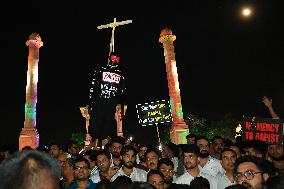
(265, 129)
(154, 113)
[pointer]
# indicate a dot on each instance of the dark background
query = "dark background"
(225, 63)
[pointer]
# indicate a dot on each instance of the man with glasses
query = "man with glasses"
(82, 173)
(251, 172)
(166, 167)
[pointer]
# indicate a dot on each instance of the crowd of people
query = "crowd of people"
(202, 163)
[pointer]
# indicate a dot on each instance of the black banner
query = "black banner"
(154, 113)
(265, 129)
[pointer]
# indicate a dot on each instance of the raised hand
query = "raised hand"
(267, 102)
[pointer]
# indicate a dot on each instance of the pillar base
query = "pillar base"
(178, 135)
(28, 137)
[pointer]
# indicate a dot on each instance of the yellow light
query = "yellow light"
(246, 12)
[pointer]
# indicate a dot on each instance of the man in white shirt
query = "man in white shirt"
(207, 164)
(190, 160)
(128, 154)
(228, 159)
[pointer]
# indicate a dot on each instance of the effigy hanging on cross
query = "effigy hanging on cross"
(113, 25)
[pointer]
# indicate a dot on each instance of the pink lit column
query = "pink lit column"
(29, 135)
(179, 128)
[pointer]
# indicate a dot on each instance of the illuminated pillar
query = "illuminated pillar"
(179, 128)
(118, 115)
(29, 135)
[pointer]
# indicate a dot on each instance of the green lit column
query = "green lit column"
(29, 135)
(179, 128)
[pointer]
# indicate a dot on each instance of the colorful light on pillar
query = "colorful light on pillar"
(29, 135)
(179, 127)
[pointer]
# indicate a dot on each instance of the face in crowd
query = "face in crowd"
(249, 175)
(115, 149)
(276, 152)
(142, 153)
(54, 151)
(218, 145)
(190, 160)
(168, 172)
(156, 180)
(81, 171)
(103, 162)
(152, 159)
(129, 159)
(203, 145)
(228, 159)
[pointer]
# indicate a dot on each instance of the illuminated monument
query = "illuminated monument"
(179, 129)
(29, 135)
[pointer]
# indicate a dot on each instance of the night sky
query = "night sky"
(225, 63)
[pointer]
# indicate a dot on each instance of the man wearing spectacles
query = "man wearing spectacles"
(166, 167)
(82, 173)
(251, 172)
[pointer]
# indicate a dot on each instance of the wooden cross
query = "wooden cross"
(113, 25)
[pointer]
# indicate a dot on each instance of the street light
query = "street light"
(246, 12)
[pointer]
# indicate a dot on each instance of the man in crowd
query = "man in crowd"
(191, 138)
(155, 178)
(190, 159)
(152, 158)
(251, 172)
(228, 159)
(217, 146)
(54, 149)
(166, 167)
(141, 155)
(276, 155)
(207, 164)
(128, 168)
(82, 173)
(105, 171)
(115, 147)
(29, 169)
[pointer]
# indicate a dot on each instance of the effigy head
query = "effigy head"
(34, 36)
(166, 31)
(113, 59)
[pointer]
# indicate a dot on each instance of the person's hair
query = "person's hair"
(191, 136)
(54, 143)
(103, 152)
(260, 163)
(122, 182)
(191, 148)
(69, 144)
(216, 137)
(165, 161)
(259, 146)
(104, 184)
(127, 148)
(204, 138)
(29, 169)
(118, 139)
(81, 159)
(92, 154)
(141, 185)
(173, 147)
(154, 172)
(227, 150)
(236, 186)
(199, 183)
(152, 149)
